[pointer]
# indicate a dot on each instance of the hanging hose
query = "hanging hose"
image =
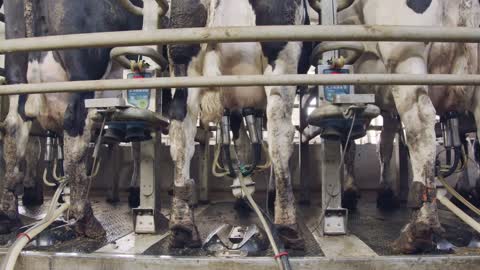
(459, 197)
(257, 154)
(459, 213)
(228, 160)
(45, 180)
(22, 239)
(452, 169)
(281, 257)
(268, 161)
(216, 164)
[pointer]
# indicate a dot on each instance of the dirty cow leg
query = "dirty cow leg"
(280, 101)
(182, 134)
(75, 158)
(15, 143)
(32, 184)
(183, 126)
(387, 197)
(418, 116)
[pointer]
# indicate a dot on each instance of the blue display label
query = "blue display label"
(331, 90)
(139, 98)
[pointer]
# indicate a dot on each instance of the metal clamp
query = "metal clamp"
(356, 47)
(119, 55)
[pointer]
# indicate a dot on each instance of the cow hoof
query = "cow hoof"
(350, 199)
(32, 196)
(414, 239)
(387, 200)
(134, 197)
(185, 237)
(89, 226)
(417, 236)
(7, 224)
(291, 237)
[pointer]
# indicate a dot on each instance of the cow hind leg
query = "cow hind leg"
(183, 113)
(184, 230)
(280, 101)
(33, 185)
(418, 116)
(387, 196)
(15, 143)
(75, 164)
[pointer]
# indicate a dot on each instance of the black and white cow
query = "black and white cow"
(418, 105)
(233, 59)
(65, 114)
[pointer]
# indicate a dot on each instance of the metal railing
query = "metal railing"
(248, 80)
(245, 34)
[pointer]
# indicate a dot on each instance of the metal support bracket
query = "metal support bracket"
(335, 218)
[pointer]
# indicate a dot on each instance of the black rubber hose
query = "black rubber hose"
(456, 161)
(257, 156)
(2, 17)
(228, 160)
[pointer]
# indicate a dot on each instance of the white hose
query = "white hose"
(265, 225)
(14, 251)
(459, 213)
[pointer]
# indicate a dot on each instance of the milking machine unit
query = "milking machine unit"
(451, 141)
(239, 240)
(342, 117)
(133, 116)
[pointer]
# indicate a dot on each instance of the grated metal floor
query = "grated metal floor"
(375, 228)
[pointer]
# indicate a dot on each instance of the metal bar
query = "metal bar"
(250, 80)
(246, 34)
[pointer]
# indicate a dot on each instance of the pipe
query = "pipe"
(245, 34)
(459, 213)
(341, 4)
(15, 250)
(266, 227)
(118, 54)
(356, 47)
(163, 4)
(247, 80)
(131, 7)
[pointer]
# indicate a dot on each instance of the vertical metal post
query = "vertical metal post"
(334, 220)
(303, 157)
(331, 175)
(146, 216)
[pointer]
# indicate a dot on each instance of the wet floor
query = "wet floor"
(376, 228)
